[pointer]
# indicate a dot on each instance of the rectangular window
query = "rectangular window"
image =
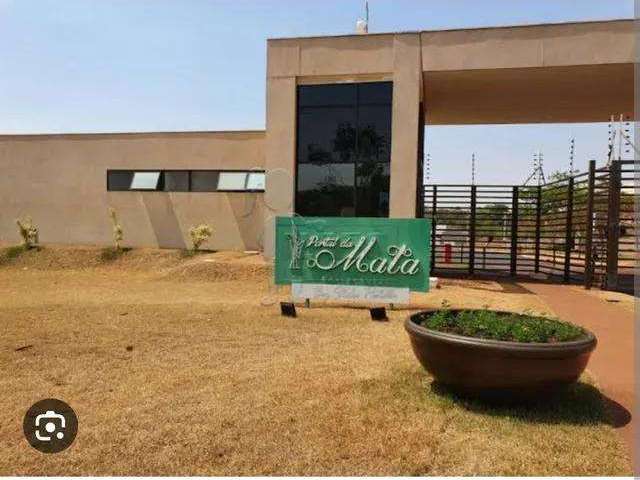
(232, 181)
(204, 181)
(256, 181)
(186, 180)
(343, 149)
(176, 181)
(145, 181)
(119, 180)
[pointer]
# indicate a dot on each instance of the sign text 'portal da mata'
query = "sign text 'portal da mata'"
(382, 252)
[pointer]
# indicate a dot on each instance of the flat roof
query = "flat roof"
(495, 27)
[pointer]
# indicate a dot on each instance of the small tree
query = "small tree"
(28, 232)
(118, 234)
(199, 235)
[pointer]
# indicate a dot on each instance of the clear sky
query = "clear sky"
(150, 65)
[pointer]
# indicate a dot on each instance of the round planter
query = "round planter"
(495, 368)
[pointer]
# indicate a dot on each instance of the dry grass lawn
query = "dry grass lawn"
(218, 383)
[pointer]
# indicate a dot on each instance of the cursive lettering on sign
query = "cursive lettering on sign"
(398, 260)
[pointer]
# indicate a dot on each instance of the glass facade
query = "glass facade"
(344, 149)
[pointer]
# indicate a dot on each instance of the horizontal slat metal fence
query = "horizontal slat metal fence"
(575, 229)
(627, 254)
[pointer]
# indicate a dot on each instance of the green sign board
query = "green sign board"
(377, 252)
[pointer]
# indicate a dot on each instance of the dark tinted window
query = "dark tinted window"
(176, 181)
(326, 135)
(326, 190)
(327, 95)
(119, 180)
(204, 181)
(344, 149)
(375, 93)
(374, 153)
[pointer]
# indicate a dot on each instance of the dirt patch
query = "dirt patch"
(202, 265)
(221, 266)
(166, 264)
(54, 257)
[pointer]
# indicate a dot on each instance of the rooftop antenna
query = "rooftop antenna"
(362, 26)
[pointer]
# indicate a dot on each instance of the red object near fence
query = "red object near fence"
(447, 253)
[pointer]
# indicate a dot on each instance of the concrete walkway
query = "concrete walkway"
(613, 360)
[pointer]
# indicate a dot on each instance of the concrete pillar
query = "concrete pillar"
(280, 157)
(405, 134)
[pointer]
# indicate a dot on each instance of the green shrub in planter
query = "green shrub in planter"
(504, 326)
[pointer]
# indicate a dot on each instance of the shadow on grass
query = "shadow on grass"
(578, 404)
(513, 287)
(110, 254)
(190, 253)
(11, 253)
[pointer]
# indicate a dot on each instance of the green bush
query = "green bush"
(512, 327)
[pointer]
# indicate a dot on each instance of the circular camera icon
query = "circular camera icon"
(50, 425)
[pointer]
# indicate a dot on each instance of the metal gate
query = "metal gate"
(576, 229)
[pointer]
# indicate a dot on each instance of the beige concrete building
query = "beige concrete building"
(345, 119)
(61, 182)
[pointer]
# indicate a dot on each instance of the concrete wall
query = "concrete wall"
(571, 72)
(60, 181)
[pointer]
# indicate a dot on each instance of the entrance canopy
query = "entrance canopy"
(556, 73)
(582, 93)
(560, 73)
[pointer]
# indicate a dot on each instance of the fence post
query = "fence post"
(434, 206)
(568, 235)
(538, 226)
(613, 226)
(588, 237)
(472, 231)
(514, 231)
